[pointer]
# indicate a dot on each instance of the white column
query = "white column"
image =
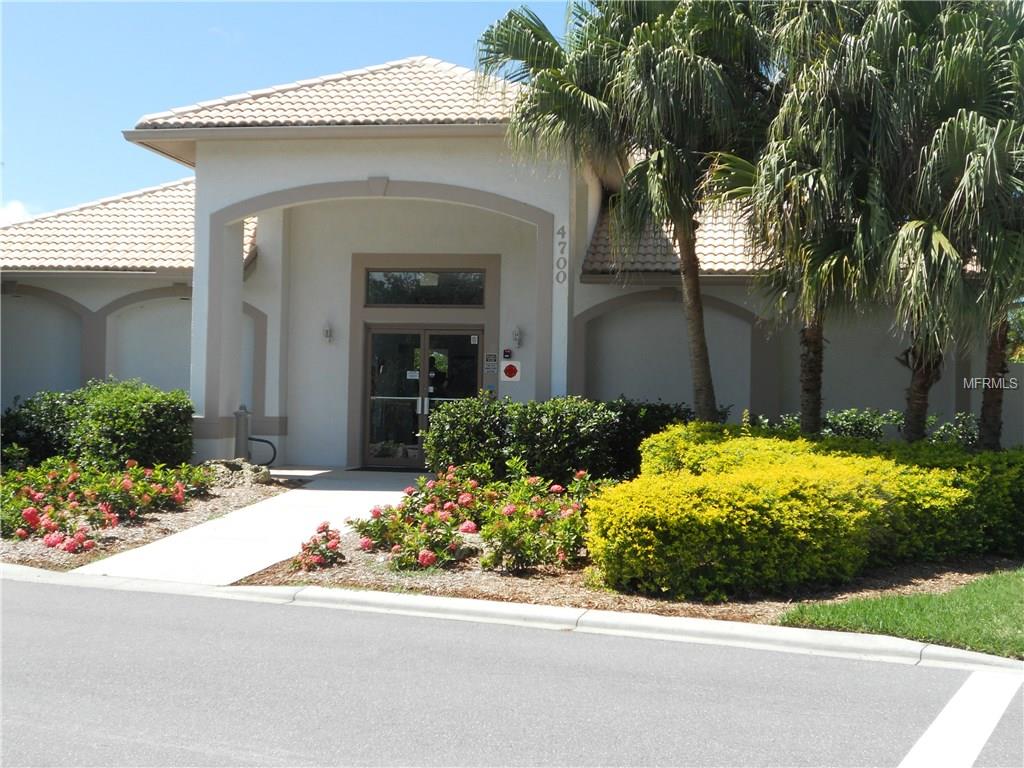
(215, 380)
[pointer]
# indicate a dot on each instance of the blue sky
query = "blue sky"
(74, 75)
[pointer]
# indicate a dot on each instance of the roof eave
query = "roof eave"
(178, 144)
(626, 279)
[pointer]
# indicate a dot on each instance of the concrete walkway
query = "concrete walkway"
(248, 540)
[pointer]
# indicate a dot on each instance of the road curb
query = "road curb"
(763, 637)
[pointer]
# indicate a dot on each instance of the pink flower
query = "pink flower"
(566, 512)
(580, 474)
(37, 496)
(126, 484)
(426, 558)
(74, 476)
(536, 514)
(323, 527)
(318, 559)
(409, 490)
(508, 510)
(474, 484)
(80, 536)
(70, 545)
(88, 544)
(431, 484)
(21, 533)
(465, 499)
(532, 480)
(449, 506)
(31, 516)
(468, 526)
(556, 488)
(49, 524)
(428, 509)
(396, 550)
(444, 515)
(333, 544)
(365, 543)
(375, 513)
(453, 546)
(146, 498)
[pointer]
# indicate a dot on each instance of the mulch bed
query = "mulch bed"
(220, 500)
(577, 588)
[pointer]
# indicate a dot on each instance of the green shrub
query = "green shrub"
(41, 425)
(554, 437)
(122, 420)
(639, 420)
(468, 431)
(764, 521)
(106, 423)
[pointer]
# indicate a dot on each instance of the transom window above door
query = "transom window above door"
(451, 288)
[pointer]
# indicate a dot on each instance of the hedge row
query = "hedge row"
(103, 423)
(554, 437)
(721, 511)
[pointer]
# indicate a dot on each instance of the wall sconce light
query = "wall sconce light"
(328, 333)
(517, 337)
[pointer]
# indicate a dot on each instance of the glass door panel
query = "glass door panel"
(453, 366)
(395, 399)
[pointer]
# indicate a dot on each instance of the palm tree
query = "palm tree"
(956, 191)
(643, 92)
(809, 198)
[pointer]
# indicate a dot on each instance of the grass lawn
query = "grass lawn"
(986, 615)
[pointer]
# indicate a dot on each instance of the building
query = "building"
(356, 248)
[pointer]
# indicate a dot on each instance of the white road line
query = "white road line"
(959, 733)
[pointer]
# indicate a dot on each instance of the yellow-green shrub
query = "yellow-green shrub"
(991, 520)
(766, 525)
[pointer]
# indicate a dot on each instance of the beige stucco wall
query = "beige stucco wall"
(150, 341)
(230, 172)
(322, 239)
(40, 347)
(640, 351)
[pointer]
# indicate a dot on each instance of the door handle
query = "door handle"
(426, 406)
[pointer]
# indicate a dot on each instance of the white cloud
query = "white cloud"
(13, 211)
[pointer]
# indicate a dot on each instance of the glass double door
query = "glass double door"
(410, 373)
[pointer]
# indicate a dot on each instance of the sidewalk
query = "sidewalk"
(248, 540)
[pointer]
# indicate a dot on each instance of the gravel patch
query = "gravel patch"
(580, 589)
(220, 500)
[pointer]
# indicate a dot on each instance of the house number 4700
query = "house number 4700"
(561, 257)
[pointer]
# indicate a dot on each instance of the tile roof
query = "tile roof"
(721, 249)
(413, 91)
(146, 230)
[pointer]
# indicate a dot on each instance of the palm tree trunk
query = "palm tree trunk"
(996, 367)
(925, 370)
(705, 405)
(812, 361)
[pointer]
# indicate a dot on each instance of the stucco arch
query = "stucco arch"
(382, 187)
(92, 338)
(763, 382)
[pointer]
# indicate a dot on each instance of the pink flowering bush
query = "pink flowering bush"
(323, 550)
(536, 522)
(524, 521)
(427, 527)
(60, 497)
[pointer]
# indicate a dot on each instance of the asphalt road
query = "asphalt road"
(110, 678)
